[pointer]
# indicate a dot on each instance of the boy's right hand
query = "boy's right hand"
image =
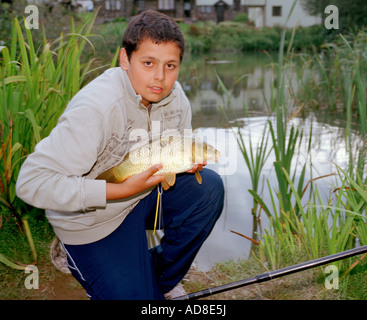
(134, 184)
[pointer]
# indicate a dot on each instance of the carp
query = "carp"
(176, 154)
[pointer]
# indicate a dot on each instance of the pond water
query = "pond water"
(248, 78)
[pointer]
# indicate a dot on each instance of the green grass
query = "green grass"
(309, 226)
(36, 82)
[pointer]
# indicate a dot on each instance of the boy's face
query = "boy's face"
(152, 69)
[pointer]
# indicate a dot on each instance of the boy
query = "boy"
(101, 225)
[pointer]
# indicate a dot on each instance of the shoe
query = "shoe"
(58, 256)
(177, 291)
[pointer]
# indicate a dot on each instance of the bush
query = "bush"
(256, 43)
(241, 17)
(305, 38)
(237, 36)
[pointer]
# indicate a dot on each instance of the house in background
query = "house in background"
(263, 13)
(270, 13)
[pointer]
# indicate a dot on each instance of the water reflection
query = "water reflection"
(246, 76)
(327, 149)
(248, 79)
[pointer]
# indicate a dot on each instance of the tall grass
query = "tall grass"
(36, 83)
(311, 227)
(335, 79)
(317, 228)
(285, 139)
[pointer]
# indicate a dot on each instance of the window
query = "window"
(112, 5)
(166, 4)
(205, 9)
(236, 5)
(141, 5)
(277, 11)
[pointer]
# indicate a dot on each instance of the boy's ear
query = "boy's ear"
(123, 59)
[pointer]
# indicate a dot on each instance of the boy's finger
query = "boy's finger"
(155, 180)
(197, 167)
(150, 178)
(152, 170)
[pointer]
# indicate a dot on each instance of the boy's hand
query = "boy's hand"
(197, 167)
(134, 184)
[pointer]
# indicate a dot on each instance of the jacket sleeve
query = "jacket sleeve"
(186, 115)
(52, 177)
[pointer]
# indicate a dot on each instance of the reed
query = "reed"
(284, 139)
(320, 229)
(314, 228)
(299, 227)
(255, 160)
(358, 69)
(36, 83)
(335, 79)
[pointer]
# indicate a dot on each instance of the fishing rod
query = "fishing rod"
(274, 274)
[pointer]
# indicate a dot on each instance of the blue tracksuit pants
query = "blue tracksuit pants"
(120, 266)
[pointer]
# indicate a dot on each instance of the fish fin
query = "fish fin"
(198, 177)
(165, 185)
(170, 178)
(110, 176)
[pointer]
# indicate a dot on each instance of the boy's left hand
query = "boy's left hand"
(197, 167)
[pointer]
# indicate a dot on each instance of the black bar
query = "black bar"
(274, 274)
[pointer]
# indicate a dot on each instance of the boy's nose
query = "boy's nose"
(159, 74)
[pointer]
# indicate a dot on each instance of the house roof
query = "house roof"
(220, 3)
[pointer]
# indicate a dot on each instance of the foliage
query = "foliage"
(341, 69)
(241, 17)
(5, 22)
(308, 226)
(36, 83)
(203, 37)
(295, 226)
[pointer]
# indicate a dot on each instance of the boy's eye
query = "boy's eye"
(148, 63)
(171, 66)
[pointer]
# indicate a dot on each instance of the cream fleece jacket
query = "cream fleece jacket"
(95, 132)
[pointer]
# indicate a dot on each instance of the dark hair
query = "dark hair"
(155, 26)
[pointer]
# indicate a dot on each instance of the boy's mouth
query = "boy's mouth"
(156, 89)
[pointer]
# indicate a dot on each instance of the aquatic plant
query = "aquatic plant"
(36, 84)
(316, 228)
(308, 226)
(335, 78)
